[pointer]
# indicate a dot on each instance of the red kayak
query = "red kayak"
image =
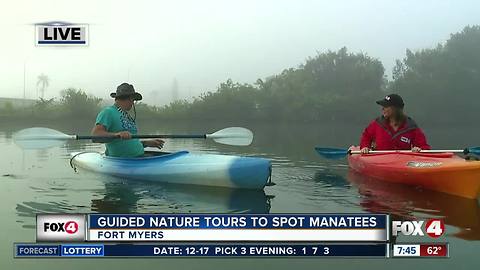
(444, 172)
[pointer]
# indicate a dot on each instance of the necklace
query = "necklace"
(124, 113)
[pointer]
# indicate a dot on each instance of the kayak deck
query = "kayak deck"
(444, 172)
(182, 168)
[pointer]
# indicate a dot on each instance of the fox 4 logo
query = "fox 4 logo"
(69, 227)
(433, 227)
(61, 227)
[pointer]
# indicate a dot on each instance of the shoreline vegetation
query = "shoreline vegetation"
(440, 85)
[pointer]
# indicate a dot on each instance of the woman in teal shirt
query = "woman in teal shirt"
(115, 121)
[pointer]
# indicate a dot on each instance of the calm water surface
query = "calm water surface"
(42, 181)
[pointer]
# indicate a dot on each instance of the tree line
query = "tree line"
(438, 84)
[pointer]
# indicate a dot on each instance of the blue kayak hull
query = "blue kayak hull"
(182, 168)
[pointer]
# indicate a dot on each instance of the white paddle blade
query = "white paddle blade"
(238, 136)
(39, 138)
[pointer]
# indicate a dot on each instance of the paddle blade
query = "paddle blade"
(331, 153)
(238, 136)
(39, 138)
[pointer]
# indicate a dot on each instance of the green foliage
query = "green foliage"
(438, 84)
(145, 111)
(179, 109)
(44, 106)
(76, 103)
(8, 108)
(441, 84)
(329, 86)
(326, 87)
(230, 101)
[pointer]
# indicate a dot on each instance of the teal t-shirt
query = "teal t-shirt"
(115, 120)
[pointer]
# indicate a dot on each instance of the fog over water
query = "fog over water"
(199, 44)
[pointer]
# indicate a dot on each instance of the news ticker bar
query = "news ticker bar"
(410, 250)
(213, 227)
(199, 250)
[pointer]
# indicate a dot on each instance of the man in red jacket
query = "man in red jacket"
(393, 130)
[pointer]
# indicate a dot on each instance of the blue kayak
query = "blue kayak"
(182, 168)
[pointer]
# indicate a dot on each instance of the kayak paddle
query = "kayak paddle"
(39, 137)
(335, 153)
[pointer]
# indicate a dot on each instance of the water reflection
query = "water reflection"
(408, 203)
(128, 196)
(305, 182)
(331, 179)
(145, 197)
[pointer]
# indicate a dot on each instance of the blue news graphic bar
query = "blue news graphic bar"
(61, 42)
(82, 250)
(245, 221)
(68, 250)
(200, 250)
(35, 250)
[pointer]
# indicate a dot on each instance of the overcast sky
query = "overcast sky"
(202, 42)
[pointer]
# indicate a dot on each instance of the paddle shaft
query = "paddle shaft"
(465, 151)
(82, 137)
(335, 153)
(39, 137)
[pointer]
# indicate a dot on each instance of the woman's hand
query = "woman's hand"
(416, 149)
(365, 150)
(154, 143)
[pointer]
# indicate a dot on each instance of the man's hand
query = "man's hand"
(124, 135)
(154, 143)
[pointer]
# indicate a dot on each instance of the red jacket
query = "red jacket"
(379, 135)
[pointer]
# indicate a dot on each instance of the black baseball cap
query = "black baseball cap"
(391, 100)
(126, 90)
